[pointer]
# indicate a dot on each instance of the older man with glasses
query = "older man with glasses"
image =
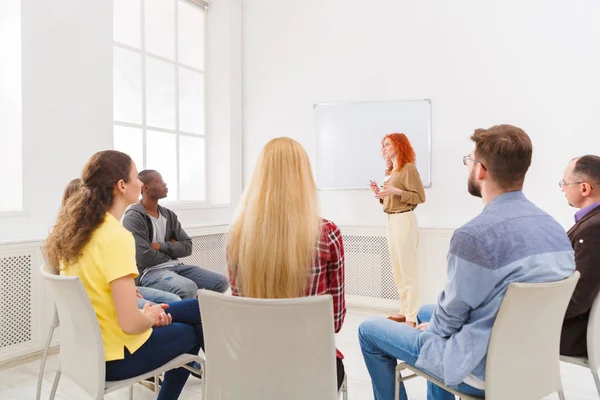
(581, 185)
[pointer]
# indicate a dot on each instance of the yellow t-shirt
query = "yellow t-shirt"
(109, 255)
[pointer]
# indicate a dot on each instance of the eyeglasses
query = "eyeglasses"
(562, 183)
(466, 160)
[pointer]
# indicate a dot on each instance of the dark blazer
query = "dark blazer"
(585, 239)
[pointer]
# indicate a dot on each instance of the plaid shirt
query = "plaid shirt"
(327, 273)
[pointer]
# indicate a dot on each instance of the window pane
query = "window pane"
(160, 27)
(191, 168)
(127, 86)
(130, 141)
(191, 101)
(11, 150)
(191, 35)
(161, 153)
(126, 20)
(160, 93)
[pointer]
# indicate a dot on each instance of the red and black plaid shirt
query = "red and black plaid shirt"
(327, 275)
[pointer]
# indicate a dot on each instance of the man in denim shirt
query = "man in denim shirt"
(510, 241)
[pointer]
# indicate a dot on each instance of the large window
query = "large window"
(11, 147)
(158, 84)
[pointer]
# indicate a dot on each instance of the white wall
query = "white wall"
(67, 48)
(67, 103)
(529, 63)
(11, 195)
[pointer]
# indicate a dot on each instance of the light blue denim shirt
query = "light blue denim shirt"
(510, 241)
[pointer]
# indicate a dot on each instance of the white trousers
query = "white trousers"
(403, 241)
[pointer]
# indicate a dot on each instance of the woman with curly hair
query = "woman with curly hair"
(89, 242)
(401, 193)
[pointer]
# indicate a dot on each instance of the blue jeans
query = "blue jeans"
(184, 335)
(155, 296)
(383, 342)
(185, 280)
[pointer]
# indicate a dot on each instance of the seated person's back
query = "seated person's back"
(581, 185)
(512, 240)
(108, 256)
(298, 253)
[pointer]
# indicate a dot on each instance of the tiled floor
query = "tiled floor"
(20, 382)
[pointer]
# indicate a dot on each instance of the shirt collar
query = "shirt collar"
(584, 211)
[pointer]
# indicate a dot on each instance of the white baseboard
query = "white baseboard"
(27, 357)
(370, 304)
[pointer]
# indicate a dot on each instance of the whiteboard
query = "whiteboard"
(348, 140)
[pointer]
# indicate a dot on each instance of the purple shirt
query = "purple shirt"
(582, 213)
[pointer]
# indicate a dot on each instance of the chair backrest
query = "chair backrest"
(593, 330)
(523, 353)
(45, 256)
(50, 270)
(81, 347)
(260, 349)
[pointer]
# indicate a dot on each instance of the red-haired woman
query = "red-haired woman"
(401, 193)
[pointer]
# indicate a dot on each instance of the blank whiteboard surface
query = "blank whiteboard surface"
(348, 140)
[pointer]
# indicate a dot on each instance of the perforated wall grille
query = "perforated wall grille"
(15, 300)
(368, 268)
(209, 252)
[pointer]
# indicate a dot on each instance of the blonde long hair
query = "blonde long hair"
(272, 243)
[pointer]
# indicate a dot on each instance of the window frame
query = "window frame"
(141, 52)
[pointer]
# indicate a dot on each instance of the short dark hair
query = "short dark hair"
(146, 176)
(505, 151)
(588, 168)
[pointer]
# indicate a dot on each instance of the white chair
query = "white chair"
(81, 347)
(260, 349)
(523, 353)
(592, 361)
(53, 325)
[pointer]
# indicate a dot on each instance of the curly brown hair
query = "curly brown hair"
(86, 208)
(71, 188)
(404, 150)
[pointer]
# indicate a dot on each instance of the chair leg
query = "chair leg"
(345, 388)
(44, 357)
(55, 385)
(597, 381)
(156, 387)
(561, 395)
(131, 392)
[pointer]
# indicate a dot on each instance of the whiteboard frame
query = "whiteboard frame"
(316, 132)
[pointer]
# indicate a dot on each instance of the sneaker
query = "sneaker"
(398, 317)
(197, 366)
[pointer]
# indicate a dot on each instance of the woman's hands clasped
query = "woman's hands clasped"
(156, 314)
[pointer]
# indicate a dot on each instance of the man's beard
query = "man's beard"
(472, 187)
